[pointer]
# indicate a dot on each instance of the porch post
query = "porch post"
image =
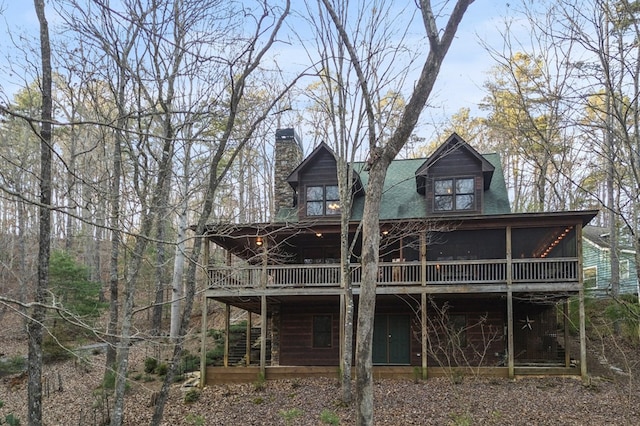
(565, 315)
(583, 333)
(263, 335)
(510, 361)
(263, 312)
(247, 352)
(423, 303)
(227, 320)
(583, 340)
(203, 342)
(341, 332)
(205, 308)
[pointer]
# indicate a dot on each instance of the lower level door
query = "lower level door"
(391, 340)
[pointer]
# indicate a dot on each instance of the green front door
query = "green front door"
(391, 337)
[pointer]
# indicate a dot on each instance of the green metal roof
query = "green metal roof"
(401, 200)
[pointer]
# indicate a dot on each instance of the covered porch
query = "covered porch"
(501, 257)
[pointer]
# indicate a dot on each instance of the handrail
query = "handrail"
(492, 271)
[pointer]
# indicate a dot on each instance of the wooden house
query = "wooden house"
(597, 263)
(464, 283)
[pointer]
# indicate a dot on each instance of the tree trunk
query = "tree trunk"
(35, 324)
(367, 300)
(379, 159)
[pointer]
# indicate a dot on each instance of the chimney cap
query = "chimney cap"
(287, 135)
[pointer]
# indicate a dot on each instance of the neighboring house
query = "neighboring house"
(597, 263)
(463, 282)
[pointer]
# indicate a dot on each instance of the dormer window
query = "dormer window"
(323, 200)
(454, 194)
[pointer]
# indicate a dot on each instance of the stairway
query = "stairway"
(238, 347)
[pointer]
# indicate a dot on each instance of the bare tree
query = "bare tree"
(381, 153)
(36, 318)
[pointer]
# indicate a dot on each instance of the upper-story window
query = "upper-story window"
(454, 194)
(323, 200)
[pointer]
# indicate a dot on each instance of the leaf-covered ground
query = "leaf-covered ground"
(72, 396)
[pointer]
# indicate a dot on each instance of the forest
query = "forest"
(126, 127)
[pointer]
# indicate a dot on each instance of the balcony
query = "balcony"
(475, 275)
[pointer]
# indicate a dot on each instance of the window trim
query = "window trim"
(453, 196)
(624, 271)
(324, 201)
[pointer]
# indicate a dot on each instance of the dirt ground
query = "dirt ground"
(611, 396)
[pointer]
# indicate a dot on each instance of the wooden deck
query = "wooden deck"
(222, 375)
(526, 274)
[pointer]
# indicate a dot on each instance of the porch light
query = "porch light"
(258, 241)
(318, 234)
(385, 232)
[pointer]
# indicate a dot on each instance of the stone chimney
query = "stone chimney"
(288, 156)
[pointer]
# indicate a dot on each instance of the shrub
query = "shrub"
(238, 327)
(191, 396)
(53, 350)
(194, 419)
(13, 365)
(150, 365)
(216, 334)
(260, 382)
(109, 380)
(161, 369)
(289, 415)
(329, 417)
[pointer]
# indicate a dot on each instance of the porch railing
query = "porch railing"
(492, 271)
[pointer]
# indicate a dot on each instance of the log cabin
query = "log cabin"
(465, 285)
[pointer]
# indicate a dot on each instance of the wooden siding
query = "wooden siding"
(296, 334)
(321, 170)
(483, 332)
(480, 343)
(598, 257)
(459, 163)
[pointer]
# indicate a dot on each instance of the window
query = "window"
(323, 200)
(454, 194)
(624, 269)
(322, 335)
(590, 277)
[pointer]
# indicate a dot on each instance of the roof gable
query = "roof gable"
(320, 153)
(455, 145)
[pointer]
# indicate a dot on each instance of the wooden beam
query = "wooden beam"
(203, 343)
(510, 345)
(567, 350)
(247, 351)
(583, 333)
(263, 335)
(341, 331)
(227, 320)
(424, 334)
(583, 339)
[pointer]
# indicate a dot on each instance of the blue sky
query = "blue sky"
(462, 75)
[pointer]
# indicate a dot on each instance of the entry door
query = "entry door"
(391, 337)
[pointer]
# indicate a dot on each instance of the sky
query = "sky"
(459, 84)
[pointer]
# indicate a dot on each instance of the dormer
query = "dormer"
(453, 179)
(315, 184)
